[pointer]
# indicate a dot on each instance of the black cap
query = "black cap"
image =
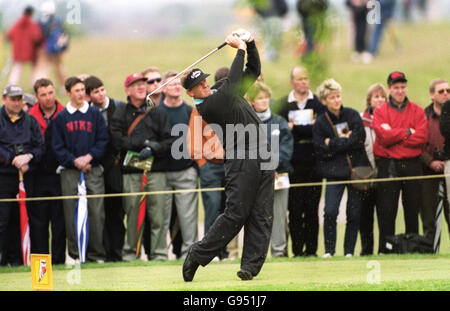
(195, 77)
(396, 76)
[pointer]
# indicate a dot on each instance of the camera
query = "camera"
(19, 149)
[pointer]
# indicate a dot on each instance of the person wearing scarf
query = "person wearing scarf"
(277, 130)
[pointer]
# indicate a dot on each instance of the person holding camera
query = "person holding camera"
(21, 148)
(433, 157)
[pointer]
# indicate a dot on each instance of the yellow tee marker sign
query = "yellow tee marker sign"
(41, 272)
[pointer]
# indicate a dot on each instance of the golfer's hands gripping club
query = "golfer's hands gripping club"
(244, 34)
(235, 41)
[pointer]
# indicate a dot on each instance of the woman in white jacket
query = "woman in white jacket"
(376, 96)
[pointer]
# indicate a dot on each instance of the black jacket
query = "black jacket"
(154, 127)
(26, 133)
(228, 107)
(111, 159)
(303, 146)
(444, 124)
(331, 160)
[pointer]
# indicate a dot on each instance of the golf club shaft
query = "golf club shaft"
(189, 67)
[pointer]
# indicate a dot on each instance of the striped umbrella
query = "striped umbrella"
(24, 226)
(438, 218)
(81, 219)
(141, 215)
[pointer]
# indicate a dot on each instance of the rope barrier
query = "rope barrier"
(322, 183)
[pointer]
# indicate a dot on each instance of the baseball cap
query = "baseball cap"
(133, 78)
(195, 77)
(396, 76)
(29, 99)
(12, 91)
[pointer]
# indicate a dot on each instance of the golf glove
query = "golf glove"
(145, 153)
(243, 34)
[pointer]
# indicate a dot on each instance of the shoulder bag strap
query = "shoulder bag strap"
(136, 121)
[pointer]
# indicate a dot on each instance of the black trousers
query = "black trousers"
(43, 213)
(249, 203)
(368, 204)
(303, 206)
(360, 23)
(389, 192)
(114, 231)
(10, 245)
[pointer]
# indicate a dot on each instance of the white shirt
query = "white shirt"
(71, 109)
(301, 105)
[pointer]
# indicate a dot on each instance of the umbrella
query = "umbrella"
(141, 214)
(24, 226)
(81, 219)
(438, 218)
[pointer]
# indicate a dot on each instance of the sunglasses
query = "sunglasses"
(153, 80)
(440, 92)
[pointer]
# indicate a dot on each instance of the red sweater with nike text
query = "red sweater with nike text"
(398, 142)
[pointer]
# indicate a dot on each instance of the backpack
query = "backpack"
(57, 39)
(408, 243)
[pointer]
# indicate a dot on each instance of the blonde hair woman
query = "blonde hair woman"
(339, 135)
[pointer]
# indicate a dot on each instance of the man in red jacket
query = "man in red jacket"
(47, 182)
(401, 132)
(25, 35)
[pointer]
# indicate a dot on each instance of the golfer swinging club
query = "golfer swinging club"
(249, 189)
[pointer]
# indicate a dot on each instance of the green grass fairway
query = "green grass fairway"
(389, 272)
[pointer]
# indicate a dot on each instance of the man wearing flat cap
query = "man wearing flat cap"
(401, 130)
(136, 127)
(21, 147)
(249, 188)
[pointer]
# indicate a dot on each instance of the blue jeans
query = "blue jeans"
(333, 196)
(387, 11)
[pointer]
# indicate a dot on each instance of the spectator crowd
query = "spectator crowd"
(312, 134)
(317, 138)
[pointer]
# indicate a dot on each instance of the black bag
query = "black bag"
(408, 243)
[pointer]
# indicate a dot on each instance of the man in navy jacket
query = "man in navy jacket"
(79, 140)
(21, 147)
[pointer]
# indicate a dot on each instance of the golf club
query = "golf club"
(149, 99)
